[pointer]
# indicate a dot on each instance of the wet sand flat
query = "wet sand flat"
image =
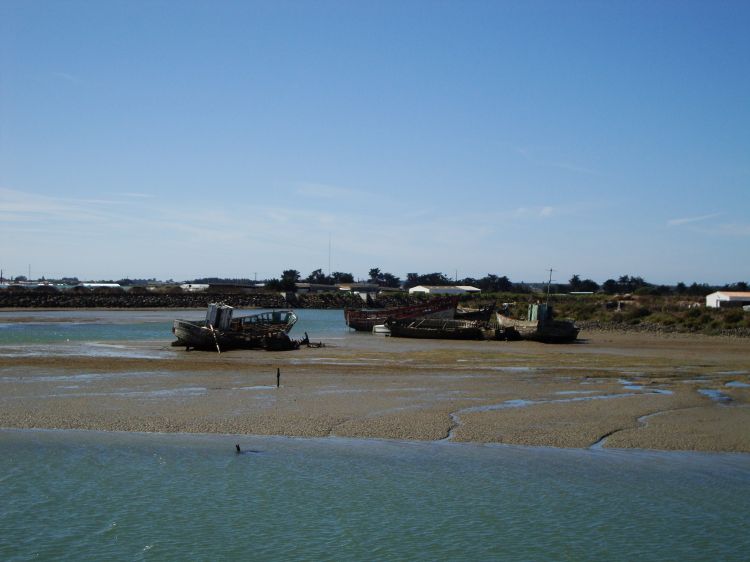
(609, 390)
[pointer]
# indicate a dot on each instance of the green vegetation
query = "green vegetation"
(651, 312)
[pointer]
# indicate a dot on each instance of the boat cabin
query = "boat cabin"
(219, 316)
(539, 313)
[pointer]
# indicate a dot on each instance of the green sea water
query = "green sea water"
(75, 495)
(94, 496)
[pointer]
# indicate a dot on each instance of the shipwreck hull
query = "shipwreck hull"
(430, 328)
(565, 332)
(549, 331)
(220, 332)
(363, 320)
(196, 336)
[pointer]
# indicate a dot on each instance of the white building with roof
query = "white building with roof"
(101, 285)
(721, 299)
(444, 289)
(194, 287)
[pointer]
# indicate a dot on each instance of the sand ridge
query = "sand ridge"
(611, 390)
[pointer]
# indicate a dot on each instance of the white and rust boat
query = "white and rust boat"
(220, 331)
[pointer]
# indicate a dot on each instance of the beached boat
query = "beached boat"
(365, 319)
(439, 328)
(220, 331)
(538, 326)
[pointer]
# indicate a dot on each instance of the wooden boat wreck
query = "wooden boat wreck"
(538, 326)
(484, 313)
(440, 328)
(220, 331)
(365, 319)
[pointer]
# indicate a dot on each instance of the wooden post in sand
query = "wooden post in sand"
(278, 377)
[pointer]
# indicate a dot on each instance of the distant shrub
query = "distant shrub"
(694, 312)
(735, 315)
(637, 312)
(647, 291)
(664, 318)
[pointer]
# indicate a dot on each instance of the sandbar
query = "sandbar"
(619, 390)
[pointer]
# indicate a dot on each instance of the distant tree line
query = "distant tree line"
(493, 283)
(637, 285)
(220, 280)
(490, 283)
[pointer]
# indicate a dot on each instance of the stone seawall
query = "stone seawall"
(652, 328)
(35, 299)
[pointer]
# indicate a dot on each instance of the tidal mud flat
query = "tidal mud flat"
(608, 390)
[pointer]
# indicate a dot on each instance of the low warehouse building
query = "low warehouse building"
(444, 289)
(722, 299)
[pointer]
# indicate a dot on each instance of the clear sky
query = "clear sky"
(183, 139)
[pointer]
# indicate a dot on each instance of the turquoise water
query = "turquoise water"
(92, 496)
(67, 495)
(110, 325)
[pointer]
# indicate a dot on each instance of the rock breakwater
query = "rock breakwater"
(654, 328)
(93, 299)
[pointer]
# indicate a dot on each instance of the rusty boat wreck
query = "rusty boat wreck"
(365, 319)
(220, 331)
(539, 325)
(440, 328)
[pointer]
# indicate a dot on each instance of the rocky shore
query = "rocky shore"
(125, 300)
(652, 328)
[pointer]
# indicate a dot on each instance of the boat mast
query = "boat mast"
(548, 284)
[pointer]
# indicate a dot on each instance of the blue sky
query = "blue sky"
(186, 139)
